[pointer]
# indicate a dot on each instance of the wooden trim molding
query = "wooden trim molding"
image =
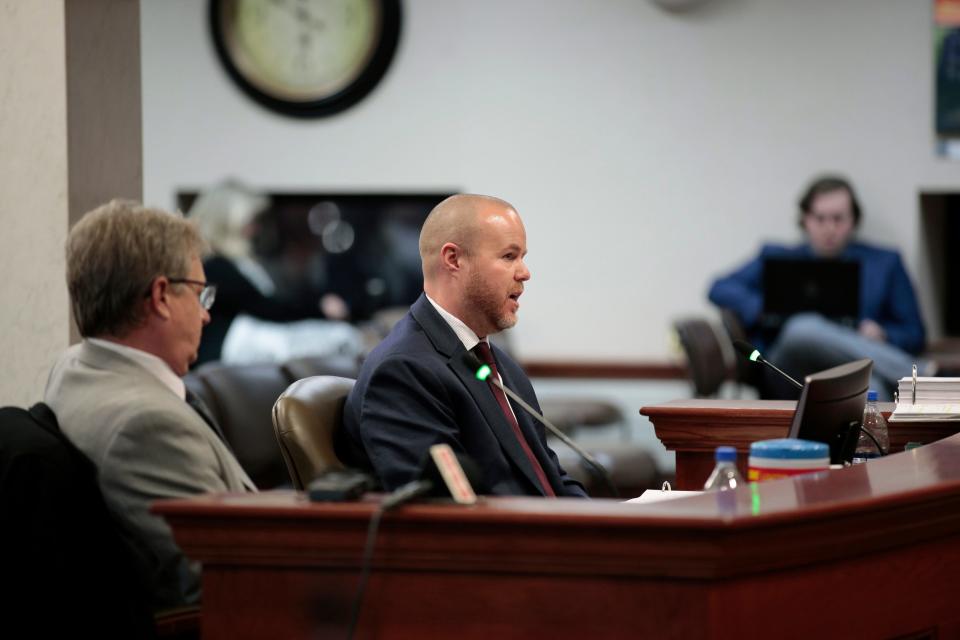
(647, 370)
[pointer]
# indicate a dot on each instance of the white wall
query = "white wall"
(645, 150)
(69, 140)
(34, 321)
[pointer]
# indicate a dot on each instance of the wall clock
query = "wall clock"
(306, 58)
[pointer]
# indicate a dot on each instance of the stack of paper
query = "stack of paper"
(931, 399)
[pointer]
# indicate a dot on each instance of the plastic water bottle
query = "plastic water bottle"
(874, 423)
(725, 475)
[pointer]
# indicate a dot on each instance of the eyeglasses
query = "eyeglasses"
(207, 294)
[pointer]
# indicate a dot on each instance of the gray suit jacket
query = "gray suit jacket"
(147, 444)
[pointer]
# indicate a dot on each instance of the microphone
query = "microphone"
(452, 475)
(406, 493)
(443, 474)
(483, 373)
(753, 354)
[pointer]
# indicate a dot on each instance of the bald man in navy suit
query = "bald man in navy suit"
(415, 389)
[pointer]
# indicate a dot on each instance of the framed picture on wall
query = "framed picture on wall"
(363, 247)
(947, 66)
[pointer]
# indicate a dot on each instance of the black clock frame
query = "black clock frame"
(332, 104)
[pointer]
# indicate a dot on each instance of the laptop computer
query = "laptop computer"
(828, 287)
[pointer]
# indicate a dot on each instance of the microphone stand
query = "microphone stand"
(753, 354)
(483, 373)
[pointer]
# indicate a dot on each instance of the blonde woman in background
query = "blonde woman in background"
(246, 294)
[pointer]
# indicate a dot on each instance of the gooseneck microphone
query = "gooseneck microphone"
(752, 354)
(483, 372)
(443, 474)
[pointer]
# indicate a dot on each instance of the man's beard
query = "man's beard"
(487, 304)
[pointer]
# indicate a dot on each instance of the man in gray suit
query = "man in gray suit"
(140, 300)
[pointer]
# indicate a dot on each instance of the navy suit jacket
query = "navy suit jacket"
(886, 294)
(415, 391)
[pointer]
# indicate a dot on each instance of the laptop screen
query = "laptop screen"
(829, 287)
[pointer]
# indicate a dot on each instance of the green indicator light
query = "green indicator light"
(483, 372)
(754, 355)
(754, 499)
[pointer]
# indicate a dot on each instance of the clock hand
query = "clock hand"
(304, 40)
(301, 13)
(305, 17)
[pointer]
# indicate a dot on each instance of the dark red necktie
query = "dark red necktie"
(482, 350)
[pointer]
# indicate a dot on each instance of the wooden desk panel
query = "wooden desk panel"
(810, 550)
(693, 429)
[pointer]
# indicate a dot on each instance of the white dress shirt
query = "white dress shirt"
(154, 365)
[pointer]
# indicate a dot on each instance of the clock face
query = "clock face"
(306, 57)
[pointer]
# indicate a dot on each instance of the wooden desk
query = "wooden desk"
(693, 429)
(869, 551)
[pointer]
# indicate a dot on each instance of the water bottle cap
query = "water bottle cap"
(726, 454)
(872, 395)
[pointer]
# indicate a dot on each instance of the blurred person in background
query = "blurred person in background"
(889, 330)
(227, 217)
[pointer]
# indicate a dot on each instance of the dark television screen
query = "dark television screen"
(830, 408)
(362, 247)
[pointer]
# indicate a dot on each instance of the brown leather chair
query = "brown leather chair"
(240, 398)
(305, 418)
(571, 414)
(705, 358)
(632, 469)
(306, 366)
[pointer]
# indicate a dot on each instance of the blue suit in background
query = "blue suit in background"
(415, 391)
(808, 342)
